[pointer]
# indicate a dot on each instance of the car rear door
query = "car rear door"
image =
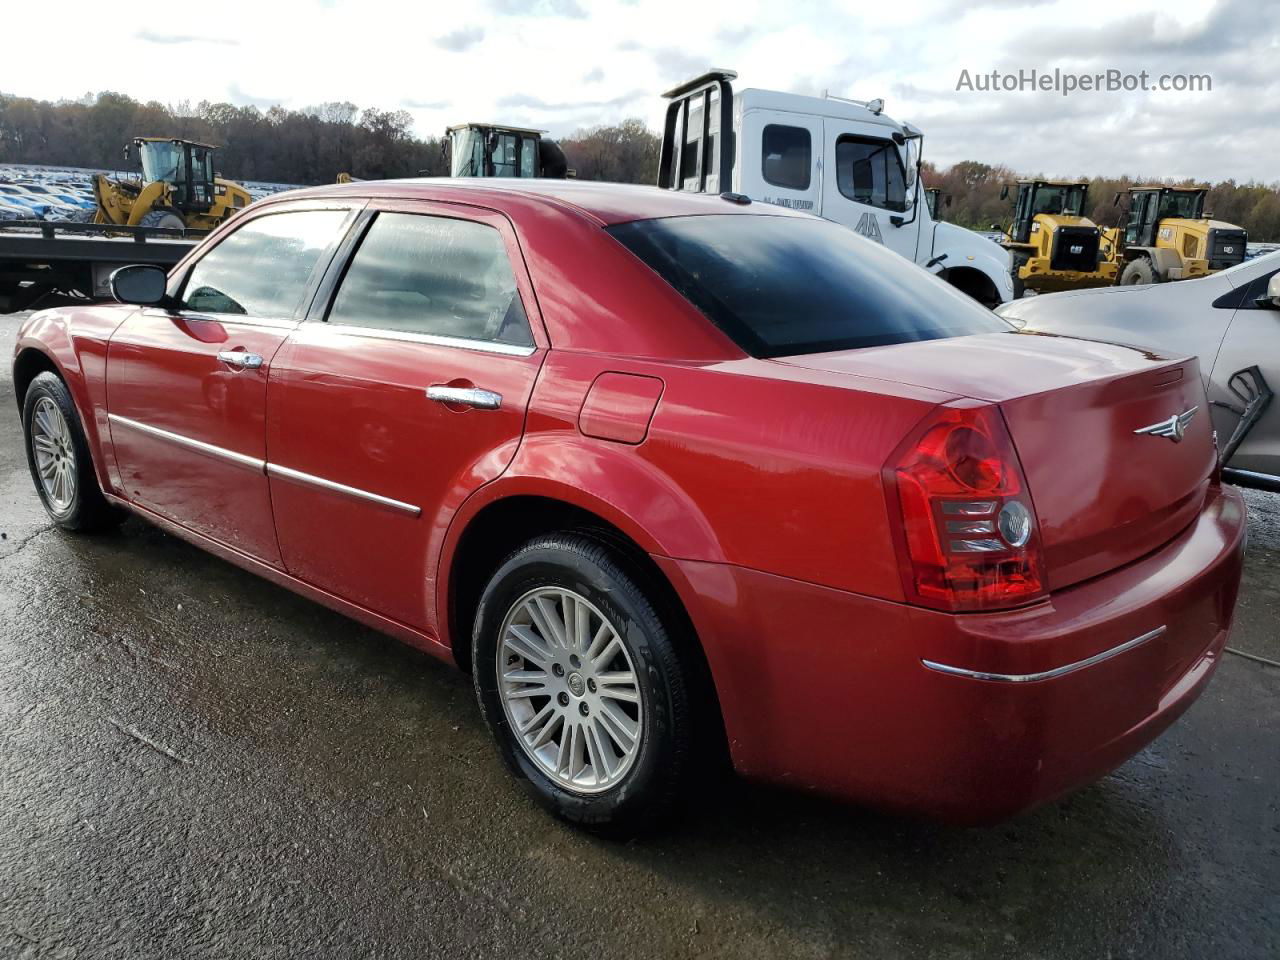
(186, 387)
(404, 391)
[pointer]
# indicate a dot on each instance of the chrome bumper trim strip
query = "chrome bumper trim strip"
(240, 459)
(287, 473)
(1047, 674)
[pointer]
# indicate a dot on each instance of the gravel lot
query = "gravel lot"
(314, 789)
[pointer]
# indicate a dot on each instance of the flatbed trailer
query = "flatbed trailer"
(41, 260)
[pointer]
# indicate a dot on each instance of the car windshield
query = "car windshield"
(781, 286)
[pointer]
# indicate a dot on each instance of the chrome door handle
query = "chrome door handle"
(465, 396)
(241, 359)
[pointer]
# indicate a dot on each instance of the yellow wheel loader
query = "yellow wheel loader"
(1167, 236)
(496, 150)
(1053, 244)
(154, 220)
(178, 189)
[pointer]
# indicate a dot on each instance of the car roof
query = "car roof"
(607, 203)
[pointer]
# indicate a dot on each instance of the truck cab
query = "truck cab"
(844, 160)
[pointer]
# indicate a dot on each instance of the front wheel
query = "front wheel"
(59, 458)
(1138, 271)
(581, 684)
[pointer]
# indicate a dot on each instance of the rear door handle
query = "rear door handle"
(240, 359)
(465, 396)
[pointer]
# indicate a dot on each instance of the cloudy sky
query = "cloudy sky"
(563, 64)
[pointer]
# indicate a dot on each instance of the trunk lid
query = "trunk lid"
(1104, 494)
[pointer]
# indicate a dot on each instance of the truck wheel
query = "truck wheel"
(163, 217)
(581, 685)
(1138, 271)
(60, 462)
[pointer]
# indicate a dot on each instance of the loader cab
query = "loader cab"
(493, 150)
(1050, 198)
(185, 165)
(1148, 207)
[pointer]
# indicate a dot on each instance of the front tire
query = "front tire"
(1137, 272)
(582, 686)
(60, 461)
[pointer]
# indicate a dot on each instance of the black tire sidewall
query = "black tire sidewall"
(85, 509)
(576, 563)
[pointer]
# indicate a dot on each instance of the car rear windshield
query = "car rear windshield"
(781, 286)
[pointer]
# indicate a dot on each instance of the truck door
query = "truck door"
(779, 161)
(865, 185)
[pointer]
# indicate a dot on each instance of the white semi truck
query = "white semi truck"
(843, 160)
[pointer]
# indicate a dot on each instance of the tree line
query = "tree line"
(314, 145)
(282, 146)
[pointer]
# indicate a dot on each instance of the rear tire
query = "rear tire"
(60, 461)
(1137, 272)
(609, 741)
(163, 217)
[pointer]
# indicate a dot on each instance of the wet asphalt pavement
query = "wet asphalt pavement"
(195, 763)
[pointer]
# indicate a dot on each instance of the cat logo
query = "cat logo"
(869, 227)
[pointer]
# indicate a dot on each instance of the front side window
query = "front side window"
(870, 171)
(263, 269)
(781, 286)
(787, 156)
(432, 275)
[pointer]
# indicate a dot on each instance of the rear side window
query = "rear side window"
(263, 269)
(432, 275)
(870, 171)
(790, 285)
(787, 155)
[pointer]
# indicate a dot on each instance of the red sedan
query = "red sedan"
(675, 477)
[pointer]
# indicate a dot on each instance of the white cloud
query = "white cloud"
(561, 64)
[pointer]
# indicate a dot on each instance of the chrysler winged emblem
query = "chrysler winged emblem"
(1175, 428)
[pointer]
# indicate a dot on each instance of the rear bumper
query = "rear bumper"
(830, 691)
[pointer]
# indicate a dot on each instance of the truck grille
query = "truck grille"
(1075, 248)
(1226, 248)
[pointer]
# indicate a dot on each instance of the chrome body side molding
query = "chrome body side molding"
(1047, 674)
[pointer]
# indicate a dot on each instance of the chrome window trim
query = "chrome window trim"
(270, 323)
(288, 473)
(1047, 674)
(239, 459)
(431, 339)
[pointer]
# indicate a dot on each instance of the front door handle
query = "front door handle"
(465, 396)
(240, 359)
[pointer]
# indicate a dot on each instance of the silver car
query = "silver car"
(1230, 320)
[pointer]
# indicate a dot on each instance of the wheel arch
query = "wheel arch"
(29, 364)
(975, 283)
(498, 527)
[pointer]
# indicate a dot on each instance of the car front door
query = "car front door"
(186, 387)
(864, 185)
(404, 391)
(1252, 339)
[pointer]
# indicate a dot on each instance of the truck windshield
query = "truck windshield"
(780, 286)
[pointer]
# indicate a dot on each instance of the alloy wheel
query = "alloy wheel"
(569, 689)
(55, 454)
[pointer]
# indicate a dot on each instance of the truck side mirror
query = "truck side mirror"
(1115, 202)
(947, 199)
(1272, 299)
(1004, 192)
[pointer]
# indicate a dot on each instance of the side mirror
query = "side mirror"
(1115, 201)
(141, 284)
(1271, 300)
(947, 199)
(1004, 192)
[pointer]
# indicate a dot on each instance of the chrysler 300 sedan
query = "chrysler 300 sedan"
(678, 479)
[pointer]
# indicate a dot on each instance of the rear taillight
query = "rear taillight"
(969, 531)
